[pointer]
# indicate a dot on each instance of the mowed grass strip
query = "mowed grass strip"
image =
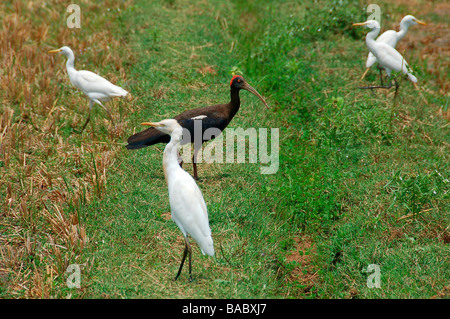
(142, 252)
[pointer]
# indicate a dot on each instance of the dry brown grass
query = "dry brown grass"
(46, 174)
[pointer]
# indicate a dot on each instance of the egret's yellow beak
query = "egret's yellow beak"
(359, 24)
(153, 124)
(419, 22)
(55, 51)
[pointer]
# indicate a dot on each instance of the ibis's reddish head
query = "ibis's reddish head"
(238, 82)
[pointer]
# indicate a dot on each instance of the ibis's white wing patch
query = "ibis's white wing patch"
(199, 117)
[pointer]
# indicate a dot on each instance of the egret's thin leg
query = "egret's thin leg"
(396, 88)
(190, 262)
(86, 123)
(89, 116)
(195, 168)
(186, 249)
(109, 113)
(381, 74)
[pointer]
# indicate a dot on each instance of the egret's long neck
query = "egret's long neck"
(403, 30)
(70, 63)
(370, 39)
(170, 157)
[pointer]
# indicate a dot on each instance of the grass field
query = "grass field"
(361, 180)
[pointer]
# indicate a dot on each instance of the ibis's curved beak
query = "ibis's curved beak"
(359, 24)
(153, 124)
(419, 22)
(55, 51)
(249, 88)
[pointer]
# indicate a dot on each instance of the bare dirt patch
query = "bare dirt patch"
(304, 274)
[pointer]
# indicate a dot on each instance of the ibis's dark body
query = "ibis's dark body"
(217, 116)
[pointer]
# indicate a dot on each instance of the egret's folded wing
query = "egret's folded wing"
(392, 59)
(90, 77)
(90, 82)
(189, 210)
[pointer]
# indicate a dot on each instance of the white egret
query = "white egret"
(388, 57)
(391, 37)
(94, 86)
(187, 205)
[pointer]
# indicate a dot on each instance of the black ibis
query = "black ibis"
(213, 116)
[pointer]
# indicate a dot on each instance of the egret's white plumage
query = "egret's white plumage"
(97, 89)
(388, 57)
(187, 205)
(391, 37)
